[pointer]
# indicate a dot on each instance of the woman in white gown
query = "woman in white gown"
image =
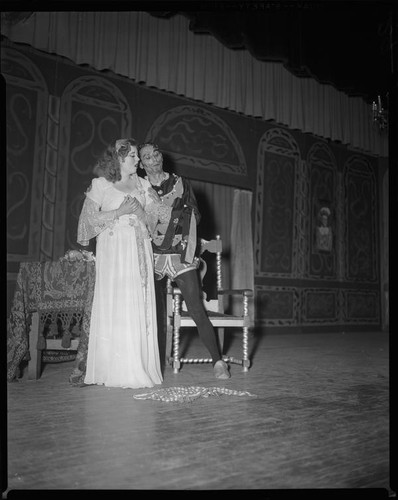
(118, 209)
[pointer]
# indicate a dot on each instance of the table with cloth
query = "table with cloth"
(58, 290)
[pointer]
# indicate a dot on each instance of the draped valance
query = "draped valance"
(165, 54)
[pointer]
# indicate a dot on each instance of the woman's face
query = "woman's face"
(129, 164)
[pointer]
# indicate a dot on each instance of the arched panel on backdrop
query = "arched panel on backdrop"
(362, 306)
(321, 304)
(94, 113)
(361, 257)
(277, 217)
(322, 217)
(26, 116)
(200, 145)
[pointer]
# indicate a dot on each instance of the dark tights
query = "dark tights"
(188, 283)
(160, 289)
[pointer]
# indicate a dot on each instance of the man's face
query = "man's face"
(151, 159)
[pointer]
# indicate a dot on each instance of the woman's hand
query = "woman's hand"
(130, 205)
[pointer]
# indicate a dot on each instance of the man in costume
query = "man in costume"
(174, 242)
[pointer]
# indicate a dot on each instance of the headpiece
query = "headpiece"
(324, 211)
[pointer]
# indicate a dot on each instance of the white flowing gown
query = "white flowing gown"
(123, 346)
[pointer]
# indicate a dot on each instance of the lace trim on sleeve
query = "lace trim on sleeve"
(93, 221)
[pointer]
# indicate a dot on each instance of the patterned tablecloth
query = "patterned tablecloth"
(45, 286)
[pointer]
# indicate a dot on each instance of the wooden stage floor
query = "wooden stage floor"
(319, 420)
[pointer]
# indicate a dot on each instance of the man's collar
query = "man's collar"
(166, 176)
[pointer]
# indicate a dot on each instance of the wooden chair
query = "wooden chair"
(178, 317)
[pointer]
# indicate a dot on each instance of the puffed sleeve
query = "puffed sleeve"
(92, 220)
(189, 199)
(96, 190)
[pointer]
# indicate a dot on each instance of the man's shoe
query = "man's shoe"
(221, 370)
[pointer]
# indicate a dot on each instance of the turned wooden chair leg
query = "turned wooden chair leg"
(34, 364)
(169, 344)
(245, 356)
(176, 349)
(176, 333)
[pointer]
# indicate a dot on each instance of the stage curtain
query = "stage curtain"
(165, 54)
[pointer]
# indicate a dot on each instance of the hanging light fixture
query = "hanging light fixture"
(380, 114)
